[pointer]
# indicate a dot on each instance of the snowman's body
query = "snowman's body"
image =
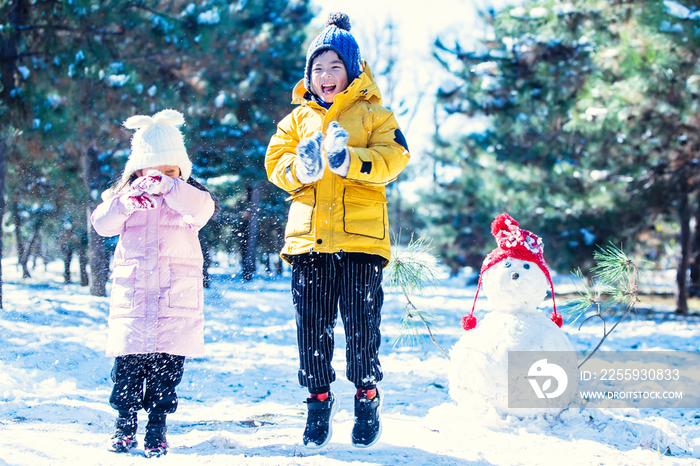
(479, 360)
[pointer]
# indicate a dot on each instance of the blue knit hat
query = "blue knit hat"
(335, 37)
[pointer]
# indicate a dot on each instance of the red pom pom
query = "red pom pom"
(499, 224)
(468, 322)
(557, 319)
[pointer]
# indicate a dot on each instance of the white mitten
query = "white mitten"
(336, 147)
(153, 183)
(312, 164)
(136, 200)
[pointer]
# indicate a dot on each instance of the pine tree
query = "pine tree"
(591, 111)
(74, 71)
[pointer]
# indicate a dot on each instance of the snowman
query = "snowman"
(515, 279)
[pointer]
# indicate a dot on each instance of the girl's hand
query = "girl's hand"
(154, 183)
(136, 200)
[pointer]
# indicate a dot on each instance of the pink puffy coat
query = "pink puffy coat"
(157, 294)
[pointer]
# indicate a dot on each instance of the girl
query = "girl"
(155, 316)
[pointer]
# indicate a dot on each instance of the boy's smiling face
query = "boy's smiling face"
(328, 76)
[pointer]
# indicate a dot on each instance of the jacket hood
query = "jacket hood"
(361, 88)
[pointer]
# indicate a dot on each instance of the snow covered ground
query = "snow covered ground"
(242, 405)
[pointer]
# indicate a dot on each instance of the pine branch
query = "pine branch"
(143, 6)
(617, 277)
(59, 27)
(408, 272)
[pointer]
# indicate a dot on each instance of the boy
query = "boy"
(335, 153)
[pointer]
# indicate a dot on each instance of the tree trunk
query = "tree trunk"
(99, 262)
(22, 250)
(37, 253)
(67, 259)
(3, 170)
(207, 260)
(32, 247)
(684, 261)
(16, 15)
(251, 240)
(278, 267)
(268, 268)
(695, 260)
(83, 263)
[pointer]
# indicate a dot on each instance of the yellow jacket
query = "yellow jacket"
(335, 213)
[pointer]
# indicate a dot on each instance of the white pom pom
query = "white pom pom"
(138, 121)
(169, 117)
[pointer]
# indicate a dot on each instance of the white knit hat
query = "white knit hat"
(157, 141)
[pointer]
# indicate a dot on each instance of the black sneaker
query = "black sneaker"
(124, 438)
(154, 443)
(319, 421)
(368, 425)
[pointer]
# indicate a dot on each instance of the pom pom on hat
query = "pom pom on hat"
(468, 322)
(557, 319)
(336, 36)
(157, 141)
(518, 244)
(340, 20)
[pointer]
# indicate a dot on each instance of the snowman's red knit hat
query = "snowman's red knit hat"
(515, 243)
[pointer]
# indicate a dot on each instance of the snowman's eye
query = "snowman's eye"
(506, 265)
(526, 266)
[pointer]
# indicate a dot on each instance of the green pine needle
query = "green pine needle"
(612, 264)
(409, 270)
(410, 333)
(615, 276)
(588, 297)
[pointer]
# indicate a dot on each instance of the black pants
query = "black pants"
(161, 373)
(322, 284)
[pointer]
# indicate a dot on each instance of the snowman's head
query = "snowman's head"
(514, 275)
(515, 285)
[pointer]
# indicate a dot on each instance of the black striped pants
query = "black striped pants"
(322, 284)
